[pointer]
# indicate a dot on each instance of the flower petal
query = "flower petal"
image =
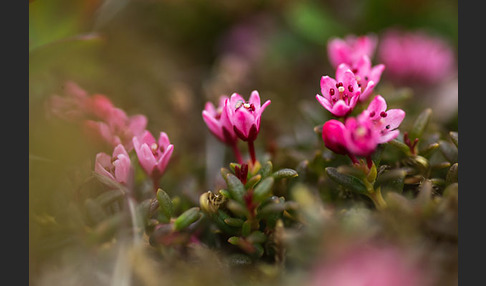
(255, 99)
(326, 84)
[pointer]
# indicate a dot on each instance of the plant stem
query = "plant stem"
(237, 153)
(251, 149)
(377, 199)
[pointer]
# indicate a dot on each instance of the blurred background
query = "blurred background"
(166, 58)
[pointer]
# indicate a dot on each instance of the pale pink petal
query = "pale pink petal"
(326, 84)
(340, 71)
(394, 118)
(375, 73)
(137, 124)
(119, 150)
(363, 65)
(340, 108)
(123, 169)
(367, 91)
(213, 125)
(147, 138)
(103, 161)
(146, 158)
(377, 105)
(255, 99)
(388, 136)
(165, 158)
(324, 102)
(210, 109)
(163, 140)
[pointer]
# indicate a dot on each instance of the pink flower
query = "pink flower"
(361, 136)
(118, 129)
(116, 167)
(415, 57)
(385, 122)
(366, 75)
(339, 95)
(350, 49)
(369, 265)
(72, 106)
(245, 116)
(333, 136)
(153, 155)
(101, 107)
(218, 122)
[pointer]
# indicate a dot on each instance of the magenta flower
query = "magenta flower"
(333, 136)
(385, 121)
(116, 167)
(415, 57)
(366, 75)
(350, 49)
(361, 136)
(245, 116)
(339, 95)
(370, 265)
(218, 122)
(153, 155)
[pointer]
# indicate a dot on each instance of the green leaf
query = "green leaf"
(452, 174)
(285, 173)
(235, 187)
(263, 189)
(165, 204)
(253, 181)
(236, 222)
(246, 228)
(256, 237)
(429, 150)
(347, 181)
(234, 240)
(266, 169)
(400, 146)
(449, 151)
(420, 124)
(455, 138)
(186, 218)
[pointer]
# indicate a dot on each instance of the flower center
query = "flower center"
(248, 106)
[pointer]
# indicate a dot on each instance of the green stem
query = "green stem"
(377, 199)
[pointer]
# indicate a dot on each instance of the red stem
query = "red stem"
(251, 149)
(237, 153)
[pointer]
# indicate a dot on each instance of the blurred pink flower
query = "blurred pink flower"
(350, 49)
(415, 57)
(245, 116)
(386, 122)
(361, 136)
(116, 167)
(369, 266)
(72, 106)
(218, 122)
(153, 155)
(366, 75)
(339, 95)
(117, 129)
(333, 136)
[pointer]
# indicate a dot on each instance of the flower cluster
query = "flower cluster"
(234, 119)
(415, 57)
(105, 122)
(354, 83)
